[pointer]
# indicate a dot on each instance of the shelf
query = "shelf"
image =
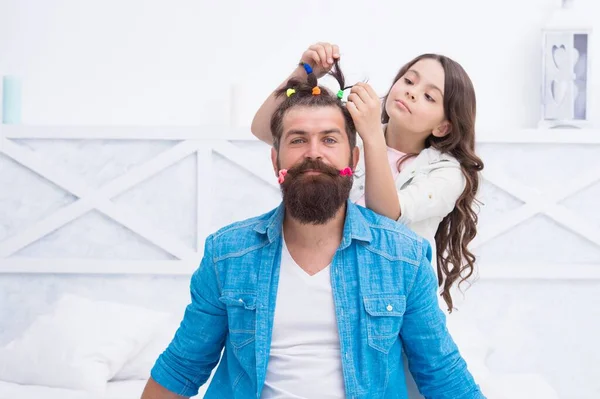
(222, 132)
(540, 136)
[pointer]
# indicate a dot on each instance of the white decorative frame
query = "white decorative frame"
(219, 142)
(565, 38)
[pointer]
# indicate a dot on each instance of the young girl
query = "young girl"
(419, 164)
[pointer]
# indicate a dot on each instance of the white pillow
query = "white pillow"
(139, 367)
(81, 345)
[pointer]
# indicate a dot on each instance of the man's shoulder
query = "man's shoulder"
(243, 226)
(239, 237)
(396, 230)
(394, 239)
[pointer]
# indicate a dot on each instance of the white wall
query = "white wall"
(173, 62)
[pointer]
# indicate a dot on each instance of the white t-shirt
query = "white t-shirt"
(305, 359)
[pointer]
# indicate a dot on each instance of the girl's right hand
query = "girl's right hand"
(320, 57)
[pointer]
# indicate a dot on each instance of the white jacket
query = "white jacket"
(428, 189)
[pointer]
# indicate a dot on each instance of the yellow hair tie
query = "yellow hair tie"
(316, 91)
(289, 92)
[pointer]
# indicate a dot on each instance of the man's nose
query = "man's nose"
(314, 150)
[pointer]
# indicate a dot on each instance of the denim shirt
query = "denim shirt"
(385, 297)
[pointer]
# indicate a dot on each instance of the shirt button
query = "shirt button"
(347, 355)
(390, 308)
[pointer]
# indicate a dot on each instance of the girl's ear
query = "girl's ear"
(443, 129)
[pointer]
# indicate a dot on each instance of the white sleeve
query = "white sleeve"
(431, 194)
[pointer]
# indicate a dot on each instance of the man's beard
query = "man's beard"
(315, 199)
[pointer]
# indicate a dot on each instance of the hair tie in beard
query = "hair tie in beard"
(281, 177)
(346, 172)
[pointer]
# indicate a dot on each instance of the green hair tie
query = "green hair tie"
(340, 94)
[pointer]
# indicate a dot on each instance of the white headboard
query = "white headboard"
(511, 201)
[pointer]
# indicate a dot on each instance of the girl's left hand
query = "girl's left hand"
(365, 108)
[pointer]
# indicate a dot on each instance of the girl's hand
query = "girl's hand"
(365, 108)
(320, 57)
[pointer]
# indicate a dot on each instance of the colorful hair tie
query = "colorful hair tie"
(316, 91)
(307, 68)
(282, 174)
(289, 92)
(340, 94)
(346, 172)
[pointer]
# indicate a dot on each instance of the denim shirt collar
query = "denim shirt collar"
(356, 226)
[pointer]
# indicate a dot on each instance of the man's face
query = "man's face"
(314, 148)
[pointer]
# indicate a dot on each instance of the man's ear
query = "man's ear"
(274, 160)
(442, 129)
(355, 157)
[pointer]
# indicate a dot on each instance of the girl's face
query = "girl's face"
(416, 101)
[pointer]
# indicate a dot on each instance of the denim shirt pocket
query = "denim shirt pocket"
(241, 315)
(384, 319)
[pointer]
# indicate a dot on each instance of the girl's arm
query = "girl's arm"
(381, 195)
(261, 124)
(320, 56)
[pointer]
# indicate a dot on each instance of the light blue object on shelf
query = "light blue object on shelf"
(11, 100)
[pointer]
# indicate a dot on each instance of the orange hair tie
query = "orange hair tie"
(316, 91)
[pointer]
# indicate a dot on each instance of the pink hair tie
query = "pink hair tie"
(282, 173)
(346, 172)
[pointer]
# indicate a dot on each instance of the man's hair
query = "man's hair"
(303, 97)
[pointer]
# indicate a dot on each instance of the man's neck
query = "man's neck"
(314, 235)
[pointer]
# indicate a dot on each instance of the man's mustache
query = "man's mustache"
(314, 165)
